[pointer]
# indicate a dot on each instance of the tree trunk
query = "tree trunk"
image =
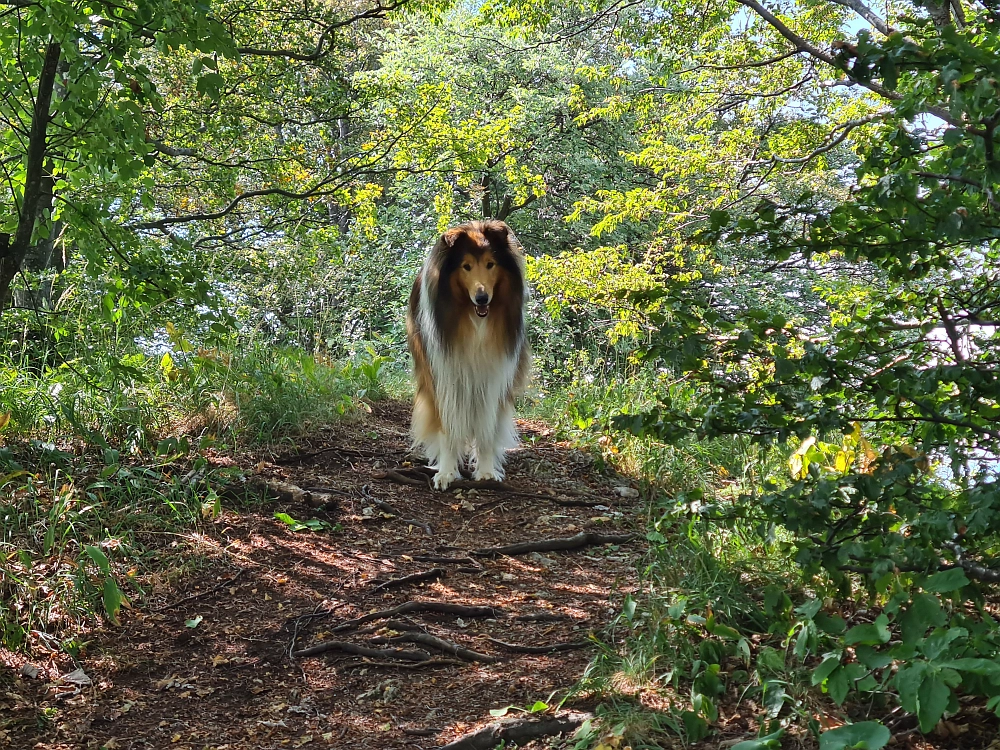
(13, 254)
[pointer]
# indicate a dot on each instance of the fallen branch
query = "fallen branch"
(427, 575)
(286, 492)
(570, 646)
(439, 644)
(353, 648)
(583, 539)
(420, 606)
(517, 732)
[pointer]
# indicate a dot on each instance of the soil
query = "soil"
(207, 662)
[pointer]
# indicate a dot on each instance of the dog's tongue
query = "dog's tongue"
(482, 310)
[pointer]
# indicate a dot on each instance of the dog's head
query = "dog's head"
(477, 259)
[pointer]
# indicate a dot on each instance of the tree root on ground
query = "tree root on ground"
(428, 664)
(427, 575)
(517, 732)
(571, 646)
(439, 644)
(353, 648)
(420, 606)
(583, 539)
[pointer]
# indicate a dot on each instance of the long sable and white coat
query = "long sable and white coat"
(465, 329)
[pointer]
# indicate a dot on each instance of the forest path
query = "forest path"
(230, 682)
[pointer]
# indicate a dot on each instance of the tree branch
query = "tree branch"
(868, 14)
(377, 12)
(804, 45)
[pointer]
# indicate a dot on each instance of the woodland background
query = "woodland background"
(763, 248)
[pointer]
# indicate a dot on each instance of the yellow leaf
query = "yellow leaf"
(4, 419)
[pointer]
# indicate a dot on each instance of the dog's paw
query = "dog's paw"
(443, 478)
(488, 474)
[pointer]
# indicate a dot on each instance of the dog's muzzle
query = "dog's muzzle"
(482, 303)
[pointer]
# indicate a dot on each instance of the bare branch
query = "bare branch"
(804, 45)
(845, 127)
(868, 14)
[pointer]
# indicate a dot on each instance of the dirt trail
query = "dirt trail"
(230, 682)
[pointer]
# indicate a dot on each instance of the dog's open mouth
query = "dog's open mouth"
(482, 310)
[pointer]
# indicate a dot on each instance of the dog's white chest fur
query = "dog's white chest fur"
(472, 383)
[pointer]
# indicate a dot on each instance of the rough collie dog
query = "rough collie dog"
(465, 329)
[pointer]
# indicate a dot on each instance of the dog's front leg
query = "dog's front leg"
(490, 449)
(447, 463)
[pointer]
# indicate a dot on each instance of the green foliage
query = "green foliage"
(866, 735)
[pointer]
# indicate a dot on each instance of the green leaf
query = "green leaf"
(768, 742)
(933, 695)
(983, 667)
(865, 735)
(99, 558)
(211, 85)
(830, 662)
(946, 581)
(869, 634)
(112, 599)
(924, 612)
(838, 685)
(496, 713)
(194, 622)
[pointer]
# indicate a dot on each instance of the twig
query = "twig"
(428, 575)
(201, 594)
(583, 539)
(307, 617)
(420, 606)
(353, 648)
(431, 641)
(569, 646)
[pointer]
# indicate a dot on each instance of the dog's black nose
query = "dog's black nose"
(482, 298)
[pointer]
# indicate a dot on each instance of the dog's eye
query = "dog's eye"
(490, 264)
(467, 267)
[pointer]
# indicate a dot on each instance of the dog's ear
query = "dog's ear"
(438, 258)
(501, 236)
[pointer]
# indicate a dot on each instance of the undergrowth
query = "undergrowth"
(736, 629)
(698, 633)
(103, 466)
